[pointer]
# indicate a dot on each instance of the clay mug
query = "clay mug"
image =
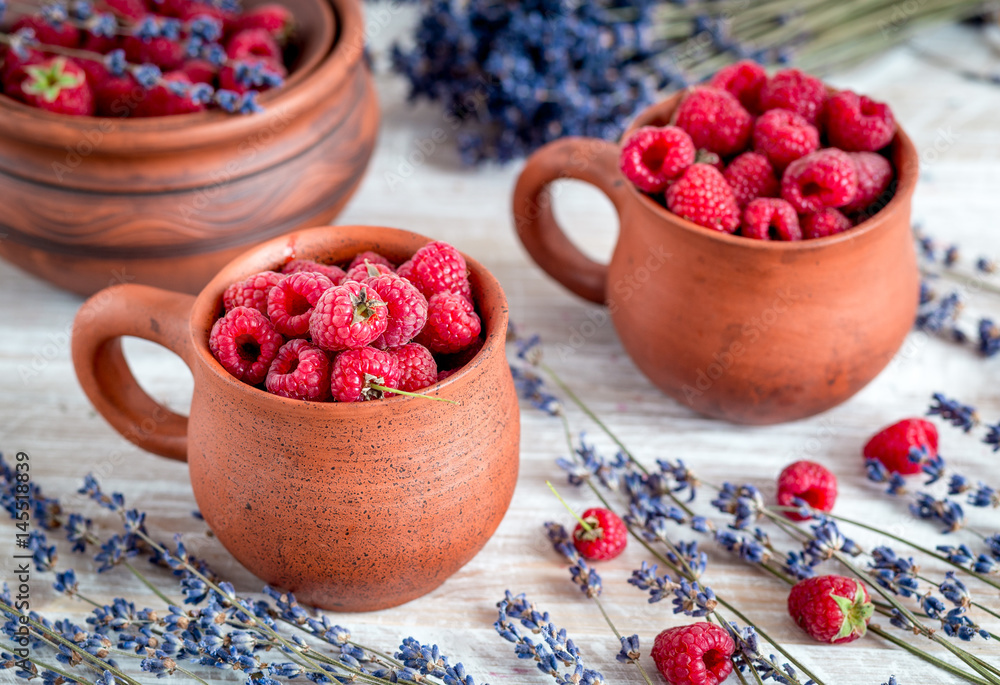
(745, 330)
(352, 506)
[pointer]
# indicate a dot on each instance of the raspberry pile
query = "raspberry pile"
(147, 58)
(352, 332)
(767, 157)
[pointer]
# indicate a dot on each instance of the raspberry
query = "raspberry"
(654, 156)
(373, 258)
(768, 218)
(407, 309)
(606, 538)
(436, 268)
(417, 368)
(784, 137)
(452, 324)
(347, 316)
(444, 374)
(56, 85)
(828, 221)
(129, 9)
(831, 609)
(63, 34)
(334, 273)
(858, 124)
(274, 18)
(825, 178)
(795, 91)
(893, 444)
(716, 120)
(695, 654)
(743, 80)
(301, 371)
(355, 371)
(751, 176)
(807, 481)
(199, 71)
(165, 53)
(702, 195)
(160, 100)
(192, 10)
(874, 177)
(361, 272)
(290, 303)
(232, 77)
(251, 292)
(245, 343)
(253, 43)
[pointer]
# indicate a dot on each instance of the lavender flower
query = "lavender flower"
(827, 539)
(959, 415)
(947, 512)
(659, 587)
(989, 338)
(747, 548)
(896, 574)
(531, 386)
(744, 503)
(630, 652)
(590, 463)
(693, 599)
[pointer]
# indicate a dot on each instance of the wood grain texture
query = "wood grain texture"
(44, 412)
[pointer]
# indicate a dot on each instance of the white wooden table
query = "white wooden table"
(955, 126)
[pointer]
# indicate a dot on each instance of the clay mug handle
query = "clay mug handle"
(143, 312)
(592, 160)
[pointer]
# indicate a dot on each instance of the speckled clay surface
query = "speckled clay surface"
(739, 329)
(354, 507)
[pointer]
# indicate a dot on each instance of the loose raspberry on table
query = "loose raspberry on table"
(417, 368)
(653, 156)
(827, 221)
(452, 324)
(743, 80)
(895, 445)
(251, 292)
(751, 176)
(347, 316)
(436, 268)
(831, 609)
(606, 538)
(858, 124)
(825, 178)
(331, 271)
(355, 371)
(245, 343)
(361, 272)
(290, 303)
(371, 257)
(807, 481)
(795, 91)
(407, 309)
(301, 371)
(715, 120)
(702, 195)
(695, 654)
(784, 137)
(874, 178)
(768, 218)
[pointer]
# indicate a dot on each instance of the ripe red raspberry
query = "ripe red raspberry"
(251, 292)
(751, 176)
(444, 374)
(784, 137)
(407, 309)
(715, 120)
(348, 316)
(361, 272)
(355, 371)
(56, 85)
(654, 156)
(371, 257)
(301, 371)
(165, 53)
(606, 538)
(417, 368)
(702, 195)
(334, 273)
(274, 18)
(253, 43)
(795, 91)
(436, 268)
(200, 71)
(769, 218)
(744, 79)
(129, 9)
(245, 343)
(695, 654)
(831, 609)
(827, 221)
(452, 324)
(228, 74)
(874, 177)
(892, 445)
(825, 178)
(808, 481)
(290, 303)
(858, 124)
(64, 34)
(161, 101)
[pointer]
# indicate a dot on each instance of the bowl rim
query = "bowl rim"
(128, 136)
(205, 309)
(903, 155)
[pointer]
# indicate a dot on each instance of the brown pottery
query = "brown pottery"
(354, 507)
(745, 330)
(168, 201)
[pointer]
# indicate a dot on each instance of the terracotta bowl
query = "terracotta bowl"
(168, 201)
(745, 330)
(354, 507)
